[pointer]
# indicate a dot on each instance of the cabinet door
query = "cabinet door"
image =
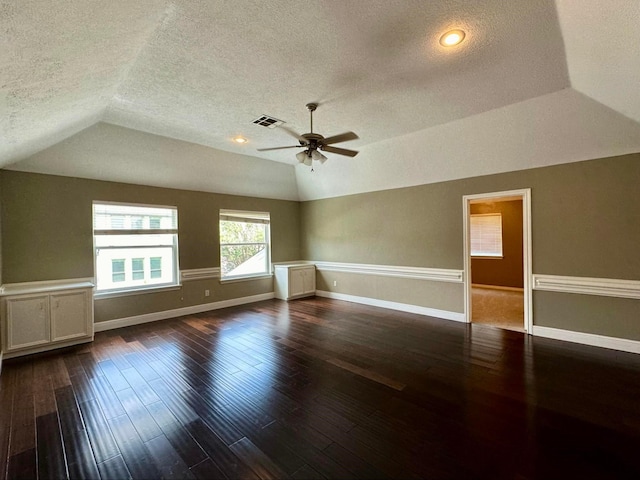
(69, 315)
(296, 281)
(27, 321)
(310, 280)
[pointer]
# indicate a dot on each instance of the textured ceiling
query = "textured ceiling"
(201, 71)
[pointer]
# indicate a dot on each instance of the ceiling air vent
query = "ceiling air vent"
(267, 121)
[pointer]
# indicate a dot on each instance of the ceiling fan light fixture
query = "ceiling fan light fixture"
(452, 38)
(301, 156)
(316, 155)
(308, 161)
(240, 139)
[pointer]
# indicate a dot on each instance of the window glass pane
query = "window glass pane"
(137, 223)
(137, 268)
(155, 256)
(242, 232)
(117, 270)
(243, 259)
(244, 243)
(156, 267)
(116, 221)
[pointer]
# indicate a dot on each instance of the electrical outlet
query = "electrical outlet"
(207, 293)
(335, 283)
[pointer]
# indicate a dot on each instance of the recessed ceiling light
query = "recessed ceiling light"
(451, 38)
(240, 139)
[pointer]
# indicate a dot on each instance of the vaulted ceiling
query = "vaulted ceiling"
(154, 91)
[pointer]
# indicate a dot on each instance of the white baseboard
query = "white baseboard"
(178, 312)
(403, 307)
(613, 343)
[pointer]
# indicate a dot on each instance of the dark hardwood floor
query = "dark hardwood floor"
(318, 388)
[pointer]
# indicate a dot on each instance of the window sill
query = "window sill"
(246, 278)
(487, 257)
(136, 291)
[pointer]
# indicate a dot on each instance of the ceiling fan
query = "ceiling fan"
(314, 142)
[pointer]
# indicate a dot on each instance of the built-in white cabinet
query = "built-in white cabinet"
(295, 281)
(28, 322)
(40, 316)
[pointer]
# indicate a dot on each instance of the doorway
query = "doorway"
(497, 263)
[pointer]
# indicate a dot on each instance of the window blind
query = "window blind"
(486, 235)
(116, 219)
(247, 217)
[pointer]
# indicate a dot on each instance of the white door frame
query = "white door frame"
(525, 195)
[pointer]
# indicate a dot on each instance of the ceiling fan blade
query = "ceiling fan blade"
(339, 151)
(294, 134)
(278, 148)
(343, 137)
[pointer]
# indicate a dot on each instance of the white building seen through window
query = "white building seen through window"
(136, 246)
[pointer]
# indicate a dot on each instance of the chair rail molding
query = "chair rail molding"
(199, 273)
(607, 287)
(417, 273)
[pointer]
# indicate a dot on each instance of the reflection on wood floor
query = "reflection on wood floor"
(498, 308)
(319, 388)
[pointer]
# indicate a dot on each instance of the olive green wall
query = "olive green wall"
(446, 296)
(585, 216)
(610, 316)
(48, 235)
(506, 271)
(585, 223)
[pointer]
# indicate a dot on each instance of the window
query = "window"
(117, 270)
(154, 222)
(137, 268)
(244, 244)
(486, 235)
(156, 267)
(137, 222)
(136, 246)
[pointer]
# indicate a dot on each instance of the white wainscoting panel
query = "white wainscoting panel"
(419, 273)
(403, 307)
(178, 312)
(607, 287)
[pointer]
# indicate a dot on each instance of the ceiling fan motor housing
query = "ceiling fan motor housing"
(314, 140)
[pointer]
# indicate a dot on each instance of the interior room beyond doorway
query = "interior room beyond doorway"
(498, 280)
